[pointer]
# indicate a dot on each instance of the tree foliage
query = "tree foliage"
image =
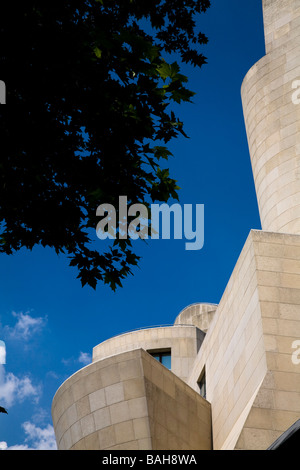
(94, 89)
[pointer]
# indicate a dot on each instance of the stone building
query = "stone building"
(223, 376)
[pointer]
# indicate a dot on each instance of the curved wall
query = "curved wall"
(272, 118)
(129, 401)
(199, 315)
(184, 342)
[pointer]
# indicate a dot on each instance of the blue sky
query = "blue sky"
(50, 323)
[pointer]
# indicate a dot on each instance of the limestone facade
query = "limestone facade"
(183, 340)
(252, 383)
(272, 118)
(129, 401)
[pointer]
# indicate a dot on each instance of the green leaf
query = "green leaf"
(162, 152)
(98, 52)
(164, 70)
(174, 69)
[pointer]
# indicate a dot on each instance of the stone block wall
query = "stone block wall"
(272, 118)
(129, 402)
(277, 404)
(183, 341)
(252, 383)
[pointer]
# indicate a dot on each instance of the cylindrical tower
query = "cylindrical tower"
(271, 103)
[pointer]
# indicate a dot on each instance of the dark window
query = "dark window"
(164, 357)
(202, 384)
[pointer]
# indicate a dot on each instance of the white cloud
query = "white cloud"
(15, 389)
(67, 362)
(2, 352)
(84, 358)
(26, 326)
(40, 438)
(4, 446)
(40, 416)
(36, 438)
(52, 374)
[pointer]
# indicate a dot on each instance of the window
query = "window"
(164, 357)
(202, 384)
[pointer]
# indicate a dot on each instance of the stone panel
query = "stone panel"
(183, 340)
(148, 408)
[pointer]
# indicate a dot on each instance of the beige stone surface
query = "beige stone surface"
(233, 351)
(273, 119)
(143, 406)
(199, 315)
(252, 383)
(276, 406)
(183, 340)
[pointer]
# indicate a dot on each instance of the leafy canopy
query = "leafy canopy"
(95, 93)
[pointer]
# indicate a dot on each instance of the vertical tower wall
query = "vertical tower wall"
(271, 104)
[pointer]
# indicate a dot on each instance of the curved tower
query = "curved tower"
(272, 115)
